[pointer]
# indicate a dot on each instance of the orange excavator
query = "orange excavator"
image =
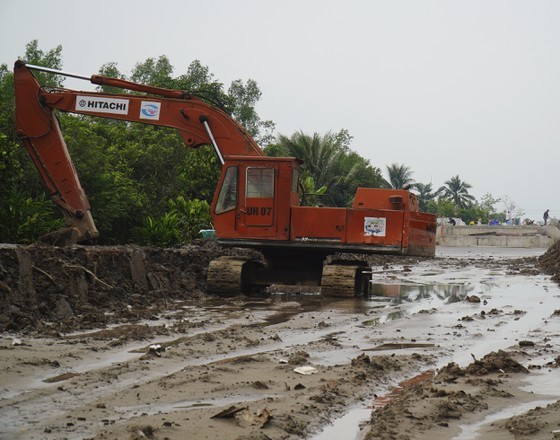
(256, 204)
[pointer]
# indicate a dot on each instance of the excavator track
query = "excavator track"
(340, 280)
(231, 276)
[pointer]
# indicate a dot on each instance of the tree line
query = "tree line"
(145, 187)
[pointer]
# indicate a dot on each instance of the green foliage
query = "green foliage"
(473, 214)
(111, 70)
(425, 195)
(400, 176)
(163, 231)
(154, 72)
(330, 162)
(442, 207)
(194, 215)
(181, 224)
(24, 219)
(310, 195)
(245, 96)
(26, 213)
(51, 59)
(457, 191)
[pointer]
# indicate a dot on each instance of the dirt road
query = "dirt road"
(464, 346)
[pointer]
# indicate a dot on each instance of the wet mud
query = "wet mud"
(105, 343)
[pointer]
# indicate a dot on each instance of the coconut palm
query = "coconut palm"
(400, 176)
(457, 191)
(320, 155)
(425, 195)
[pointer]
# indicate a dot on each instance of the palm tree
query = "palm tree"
(400, 176)
(321, 156)
(425, 195)
(457, 191)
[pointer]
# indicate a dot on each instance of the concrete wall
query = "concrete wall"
(533, 236)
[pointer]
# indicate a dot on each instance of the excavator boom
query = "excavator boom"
(197, 122)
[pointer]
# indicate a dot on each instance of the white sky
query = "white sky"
(445, 87)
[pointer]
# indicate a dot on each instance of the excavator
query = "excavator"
(256, 203)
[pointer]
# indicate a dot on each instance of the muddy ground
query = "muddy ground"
(123, 342)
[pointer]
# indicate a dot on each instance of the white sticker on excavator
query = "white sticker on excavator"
(102, 105)
(150, 110)
(375, 226)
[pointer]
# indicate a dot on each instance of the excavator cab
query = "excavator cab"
(254, 198)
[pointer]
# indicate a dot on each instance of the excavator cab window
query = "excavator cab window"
(260, 183)
(227, 200)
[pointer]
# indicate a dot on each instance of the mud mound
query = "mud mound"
(549, 262)
(436, 402)
(78, 287)
(494, 362)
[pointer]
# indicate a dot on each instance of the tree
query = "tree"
(425, 195)
(400, 176)
(320, 155)
(26, 212)
(515, 211)
(51, 59)
(154, 72)
(457, 191)
(487, 205)
(330, 162)
(111, 70)
(245, 96)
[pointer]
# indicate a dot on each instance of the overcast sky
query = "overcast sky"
(468, 88)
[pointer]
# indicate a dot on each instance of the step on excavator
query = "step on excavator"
(256, 204)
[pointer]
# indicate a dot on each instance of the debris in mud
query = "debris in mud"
(142, 433)
(61, 377)
(259, 418)
(257, 435)
(229, 412)
(305, 370)
(526, 344)
(298, 358)
(399, 346)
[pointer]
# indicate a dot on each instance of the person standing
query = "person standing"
(546, 216)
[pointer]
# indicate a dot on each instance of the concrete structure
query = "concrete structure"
(533, 236)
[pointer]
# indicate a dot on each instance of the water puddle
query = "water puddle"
(470, 432)
(342, 427)
(448, 293)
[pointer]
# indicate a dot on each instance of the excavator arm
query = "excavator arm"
(197, 122)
